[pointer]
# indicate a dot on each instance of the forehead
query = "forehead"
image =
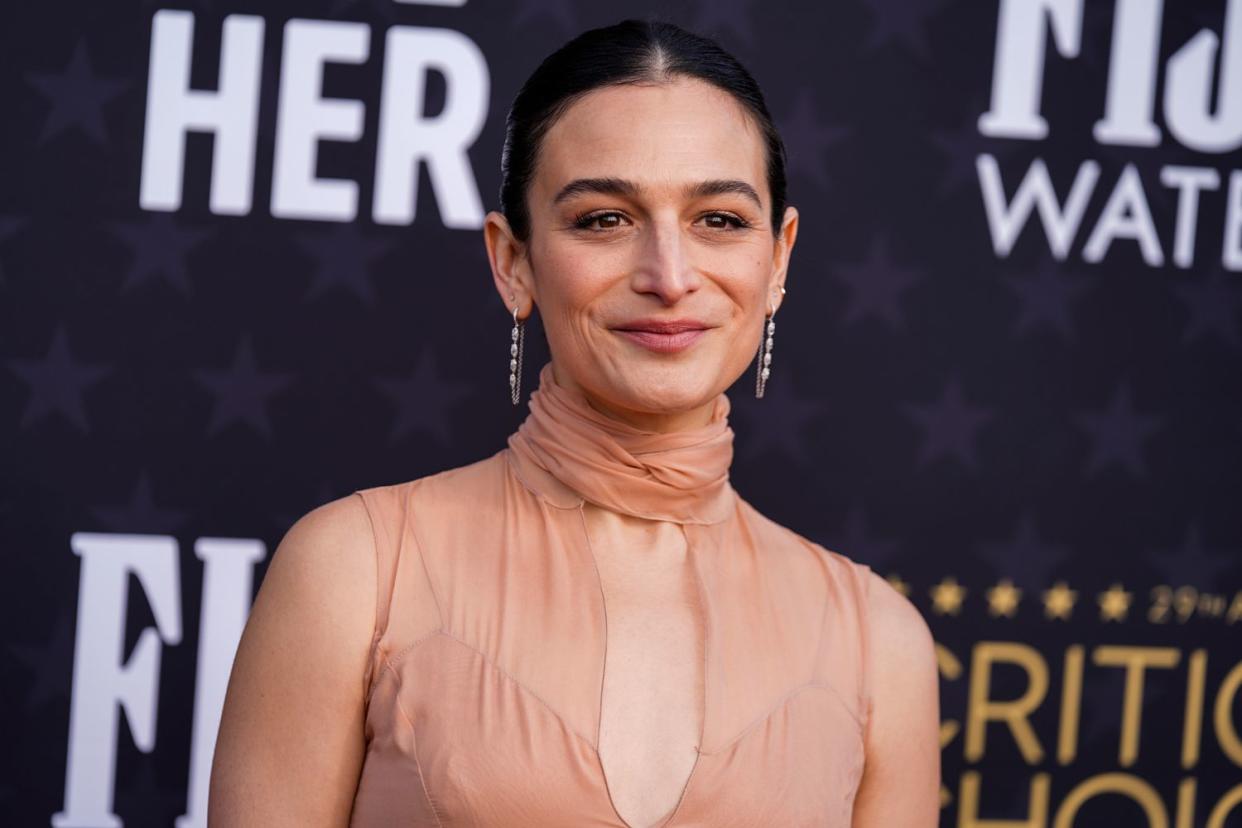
(657, 135)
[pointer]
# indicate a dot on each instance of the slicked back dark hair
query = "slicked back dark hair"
(632, 51)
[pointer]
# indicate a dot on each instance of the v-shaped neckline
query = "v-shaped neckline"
(706, 627)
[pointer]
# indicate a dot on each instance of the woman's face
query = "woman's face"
(648, 204)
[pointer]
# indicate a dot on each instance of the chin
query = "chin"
(673, 387)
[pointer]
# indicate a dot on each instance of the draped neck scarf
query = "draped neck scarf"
(680, 476)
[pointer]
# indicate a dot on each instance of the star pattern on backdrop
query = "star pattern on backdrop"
(1094, 405)
(243, 391)
(425, 400)
(1003, 599)
(139, 513)
(949, 425)
(160, 245)
(50, 663)
(962, 145)
(876, 285)
(57, 382)
(1046, 295)
(1024, 557)
(342, 258)
(76, 97)
(1118, 434)
(1114, 603)
(901, 22)
(948, 596)
(807, 140)
(857, 540)
(1191, 563)
(1059, 601)
(1213, 306)
(900, 584)
(780, 421)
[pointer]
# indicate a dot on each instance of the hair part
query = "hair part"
(630, 52)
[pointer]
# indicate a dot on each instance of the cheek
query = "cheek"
(745, 278)
(570, 283)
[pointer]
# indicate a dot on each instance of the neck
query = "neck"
(571, 453)
(660, 422)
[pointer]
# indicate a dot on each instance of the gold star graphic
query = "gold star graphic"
(1059, 601)
(1003, 598)
(947, 596)
(1114, 603)
(901, 586)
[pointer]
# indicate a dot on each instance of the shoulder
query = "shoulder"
(806, 556)
(902, 681)
(295, 686)
(897, 629)
(328, 552)
(901, 780)
(900, 636)
(466, 484)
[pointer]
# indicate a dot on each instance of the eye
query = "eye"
(737, 222)
(584, 222)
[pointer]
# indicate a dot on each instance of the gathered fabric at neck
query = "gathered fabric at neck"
(680, 476)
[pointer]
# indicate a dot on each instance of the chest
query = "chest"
(651, 706)
(629, 679)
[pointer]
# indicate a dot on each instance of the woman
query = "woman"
(590, 627)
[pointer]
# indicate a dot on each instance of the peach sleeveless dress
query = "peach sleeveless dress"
(485, 684)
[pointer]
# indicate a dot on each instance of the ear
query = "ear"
(780, 256)
(510, 263)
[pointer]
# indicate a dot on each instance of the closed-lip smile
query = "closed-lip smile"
(663, 335)
(663, 326)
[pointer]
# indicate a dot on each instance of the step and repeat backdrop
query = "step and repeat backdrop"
(242, 273)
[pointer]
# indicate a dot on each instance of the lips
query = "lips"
(663, 336)
(670, 326)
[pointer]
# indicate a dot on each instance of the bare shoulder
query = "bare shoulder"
(323, 572)
(901, 776)
(296, 684)
(900, 634)
(332, 546)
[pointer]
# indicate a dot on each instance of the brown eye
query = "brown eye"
(585, 222)
(725, 221)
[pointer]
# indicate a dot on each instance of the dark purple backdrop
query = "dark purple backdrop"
(949, 409)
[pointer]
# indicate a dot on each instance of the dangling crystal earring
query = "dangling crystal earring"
(517, 339)
(763, 363)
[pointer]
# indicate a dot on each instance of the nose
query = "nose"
(665, 269)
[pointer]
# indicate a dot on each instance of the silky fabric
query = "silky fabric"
(485, 680)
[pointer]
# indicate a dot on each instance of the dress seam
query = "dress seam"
(418, 766)
(374, 670)
(391, 662)
(823, 635)
(533, 489)
(418, 546)
(778, 705)
(520, 685)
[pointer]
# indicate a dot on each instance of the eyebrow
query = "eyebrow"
(622, 187)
